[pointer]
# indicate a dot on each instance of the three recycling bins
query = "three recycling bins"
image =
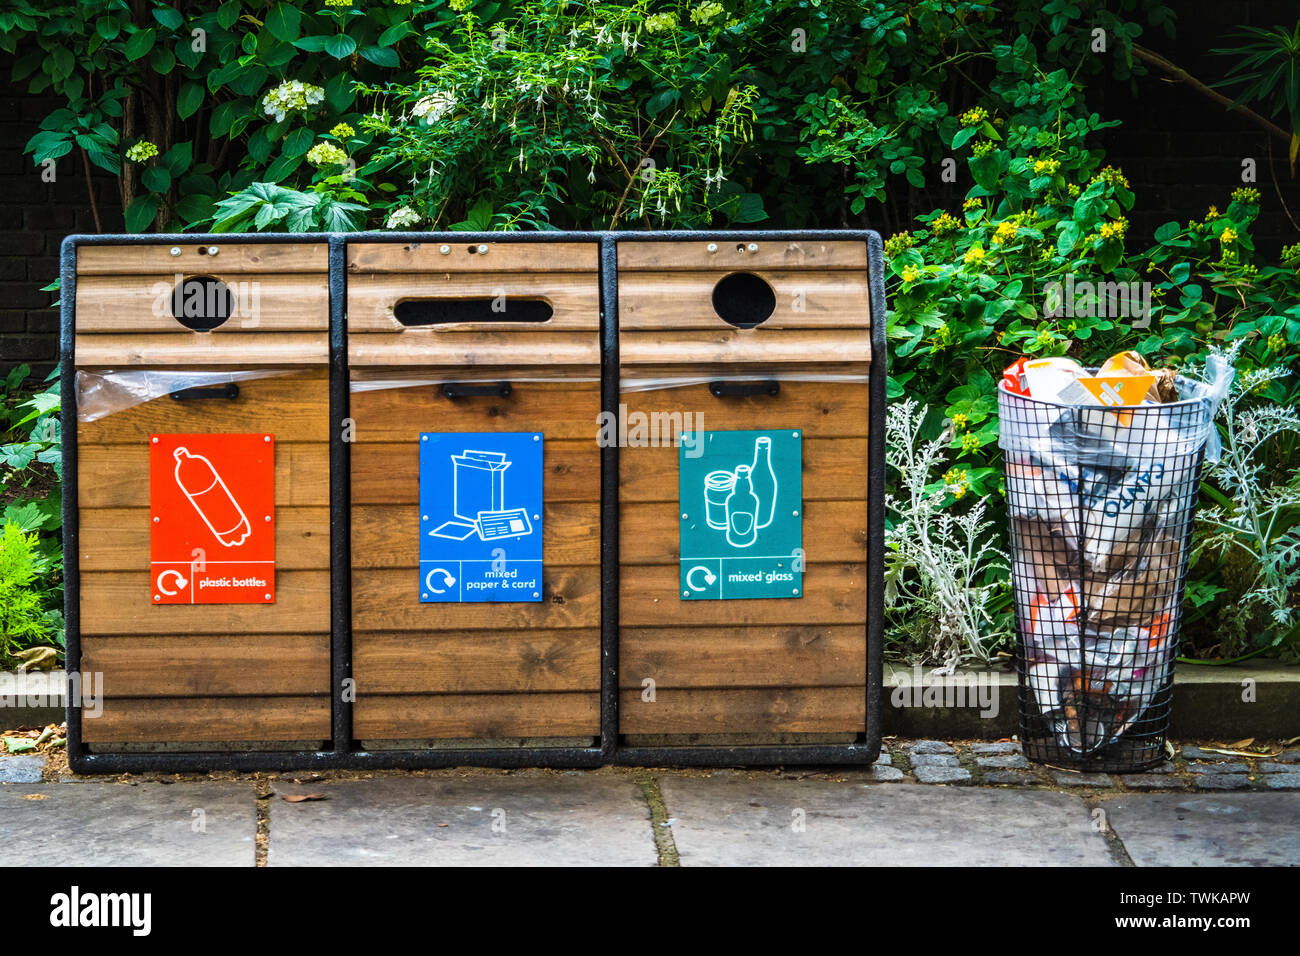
(197, 495)
(747, 620)
(475, 375)
(425, 499)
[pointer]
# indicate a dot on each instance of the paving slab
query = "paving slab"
(28, 769)
(117, 824)
(1211, 829)
(485, 820)
(766, 821)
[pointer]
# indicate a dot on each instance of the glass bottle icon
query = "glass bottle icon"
(742, 511)
(763, 479)
(210, 497)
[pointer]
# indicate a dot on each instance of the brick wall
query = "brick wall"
(1181, 152)
(34, 218)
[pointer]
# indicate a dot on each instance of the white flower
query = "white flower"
(291, 96)
(403, 217)
(434, 107)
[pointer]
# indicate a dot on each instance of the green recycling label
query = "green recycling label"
(741, 515)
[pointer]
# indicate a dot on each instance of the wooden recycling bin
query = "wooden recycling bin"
(197, 498)
(475, 389)
(750, 549)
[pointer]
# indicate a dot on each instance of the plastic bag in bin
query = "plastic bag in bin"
(1102, 471)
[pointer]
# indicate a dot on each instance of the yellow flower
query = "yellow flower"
(343, 130)
(971, 203)
(1113, 230)
(1228, 236)
(1047, 166)
(1245, 195)
(898, 242)
(970, 443)
(338, 3)
(911, 274)
(959, 421)
(974, 256)
(1212, 213)
(974, 117)
(1112, 177)
(944, 225)
(1005, 232)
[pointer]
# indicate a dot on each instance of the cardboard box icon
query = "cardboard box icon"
(478, 483)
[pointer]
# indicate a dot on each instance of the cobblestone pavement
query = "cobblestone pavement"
(927, 802)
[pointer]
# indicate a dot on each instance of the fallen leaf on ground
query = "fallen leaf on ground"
(35, 796)
(302, 797)
(1238, 745)
(18, 745)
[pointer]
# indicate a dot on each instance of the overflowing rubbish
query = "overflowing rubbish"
(1102, 469)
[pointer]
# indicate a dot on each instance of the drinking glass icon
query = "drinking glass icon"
(207, 492)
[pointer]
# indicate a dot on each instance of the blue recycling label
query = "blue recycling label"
(480, 517)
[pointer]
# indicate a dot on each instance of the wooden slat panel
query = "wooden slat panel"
(232, 257)
(476, 715)
(113, 476)
(820, 409)
(573, 297)
(199, 719)
(778, 348)
(684, 300)
(389, 474)
(771, 254)
(293, 407)
(389, 601)
(263, 303)
(209, 665)
(833, 469)
(649, 533)
(387, 536)
(650, 596)
(475, 662)
(792, 656)
(739, 711)
(115, 603)
(117, 539)
(423, 347)
(406, 258)
(556, 409)
(253, 348)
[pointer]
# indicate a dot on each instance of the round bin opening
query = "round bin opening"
(201, 303)
(743, 299)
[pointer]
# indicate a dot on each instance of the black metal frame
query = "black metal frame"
(344, 753)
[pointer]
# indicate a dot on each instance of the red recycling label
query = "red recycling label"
(212, 519)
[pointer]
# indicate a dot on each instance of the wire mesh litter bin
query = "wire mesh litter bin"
(1101, 503)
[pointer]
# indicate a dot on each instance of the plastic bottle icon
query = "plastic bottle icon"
(764, 481)
(210, 497)
(742, 511)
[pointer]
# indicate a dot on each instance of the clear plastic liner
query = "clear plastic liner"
(379, 384)
(1103, 437)
(104, 393)
(757, 374)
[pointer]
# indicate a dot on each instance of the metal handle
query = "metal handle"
(230, 390)
(466, 389)
(721, 389)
